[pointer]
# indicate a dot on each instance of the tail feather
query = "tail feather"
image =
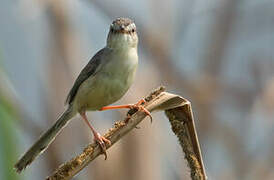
(44, 141)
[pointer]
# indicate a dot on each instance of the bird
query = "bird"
(103, 81)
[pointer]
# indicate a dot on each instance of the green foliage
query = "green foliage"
(7, 140)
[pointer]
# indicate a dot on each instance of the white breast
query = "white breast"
(110, 83)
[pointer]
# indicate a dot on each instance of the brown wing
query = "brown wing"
(89, 70)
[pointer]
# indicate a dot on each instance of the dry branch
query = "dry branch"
(179, 113)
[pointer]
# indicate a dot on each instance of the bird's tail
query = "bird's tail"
(43, 142)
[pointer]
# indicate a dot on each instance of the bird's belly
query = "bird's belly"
(103, 90)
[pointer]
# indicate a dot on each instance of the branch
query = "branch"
(179, 113)
(182, 124)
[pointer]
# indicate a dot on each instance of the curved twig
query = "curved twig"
(178, 111)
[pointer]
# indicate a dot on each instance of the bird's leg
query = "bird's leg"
(139, 106)
(101, 140)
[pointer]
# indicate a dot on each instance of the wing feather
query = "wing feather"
(89, 70)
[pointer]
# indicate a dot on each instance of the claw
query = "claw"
(102, 141)
(139, 106)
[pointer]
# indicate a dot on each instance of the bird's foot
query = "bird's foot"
(139, 106)
(102, 142)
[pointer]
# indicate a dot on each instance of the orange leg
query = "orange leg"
(101, 140)
(137, 106)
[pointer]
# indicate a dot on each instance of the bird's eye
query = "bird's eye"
(111, 30)
(133, 30)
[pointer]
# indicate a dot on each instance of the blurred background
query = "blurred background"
(216, 53)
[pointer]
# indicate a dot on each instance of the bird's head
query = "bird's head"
(122, 34)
